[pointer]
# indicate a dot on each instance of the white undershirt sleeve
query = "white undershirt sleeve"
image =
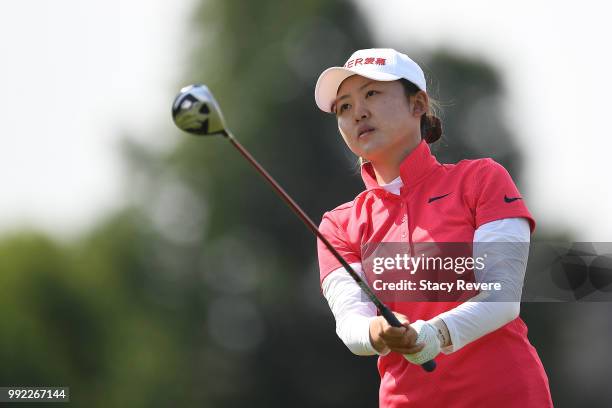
(352, 310)
(506, 243)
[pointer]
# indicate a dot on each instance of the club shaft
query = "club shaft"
(382, 308)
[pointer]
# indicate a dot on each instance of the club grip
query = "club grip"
(430, 365)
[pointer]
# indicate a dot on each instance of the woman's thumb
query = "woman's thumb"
(402, 318)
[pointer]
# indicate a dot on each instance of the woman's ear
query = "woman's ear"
(421, 103)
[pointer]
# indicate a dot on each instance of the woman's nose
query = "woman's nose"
(361, 112)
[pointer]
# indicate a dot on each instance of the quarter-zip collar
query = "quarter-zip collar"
(417, 165)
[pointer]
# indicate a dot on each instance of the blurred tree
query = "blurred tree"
(72, 316)
(471, 95)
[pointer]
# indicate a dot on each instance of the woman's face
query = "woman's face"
(376, 119)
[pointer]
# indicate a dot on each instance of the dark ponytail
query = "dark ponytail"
(431, 126)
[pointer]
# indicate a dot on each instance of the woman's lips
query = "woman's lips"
(365, 132)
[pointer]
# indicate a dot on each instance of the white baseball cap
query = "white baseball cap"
(379, 64)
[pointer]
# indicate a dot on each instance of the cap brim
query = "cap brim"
(329, 81)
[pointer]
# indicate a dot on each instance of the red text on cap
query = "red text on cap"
(365, 61)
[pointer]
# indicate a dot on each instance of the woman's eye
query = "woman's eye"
(371, 93)
(344, 107)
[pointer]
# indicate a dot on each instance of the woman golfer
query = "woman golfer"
(481, 347)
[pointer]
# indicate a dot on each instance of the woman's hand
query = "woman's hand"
(385, 338)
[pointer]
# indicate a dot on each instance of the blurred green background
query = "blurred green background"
(204, 292)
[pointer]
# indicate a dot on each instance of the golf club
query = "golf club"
(196, 111)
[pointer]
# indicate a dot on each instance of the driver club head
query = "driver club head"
(196, 111)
